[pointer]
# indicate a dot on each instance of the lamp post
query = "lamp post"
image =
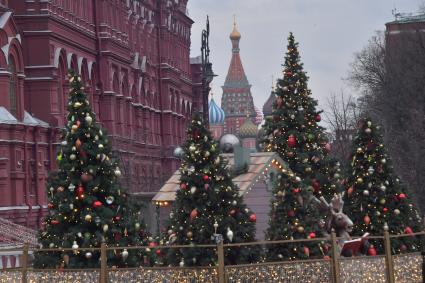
(207, 72)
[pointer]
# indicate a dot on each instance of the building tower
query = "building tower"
(237, 99)
(268, 106)
(216, 119)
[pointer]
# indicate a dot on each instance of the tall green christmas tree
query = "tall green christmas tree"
(375, 196)
(208, 203)
(294, 133)
(87, 206)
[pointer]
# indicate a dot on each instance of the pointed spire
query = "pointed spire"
(273, 85)
(235, 36)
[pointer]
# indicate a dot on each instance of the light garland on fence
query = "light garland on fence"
(407, 268)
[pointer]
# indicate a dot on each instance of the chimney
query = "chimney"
(242, 156)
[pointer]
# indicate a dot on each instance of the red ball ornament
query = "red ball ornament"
(97, 204)
(385, 210)
(288, 73)
(291, 213)
(78, 123)
(292, 141)
(350, 190)
(152, 244)
(158, 252)
(366, 220)
(328, 147)
(206, 177)
(371, 251)
(318, 118)
(296, 190)
(408, 230)
(83, 154)
(401, 196)
(312, 235)
(183, 186)
(54, 222)
(326, 257)
(232, 212)
(193, 214)
(117, 236)
(80, 190)
(316, 185)
(50, 205)
(117, 218)
(253, 218)
(86, 177)
(206, 186)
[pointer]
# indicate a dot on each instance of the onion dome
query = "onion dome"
(259, 116)
(235, 34)
(216, 114)
(248, 129)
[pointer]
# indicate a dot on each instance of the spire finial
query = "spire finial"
(273, 86)
(234, 20)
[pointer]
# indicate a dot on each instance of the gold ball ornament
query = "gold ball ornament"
(105, 228)
(396, 211)
(117, 172)
(360, 180)
(77, 104)
(88, 218)
(88, 119)
(382, 201)
(72, 156)
(300, 229)
(189, 235)
(100, 146)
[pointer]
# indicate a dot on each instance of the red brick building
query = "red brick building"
(134, 58)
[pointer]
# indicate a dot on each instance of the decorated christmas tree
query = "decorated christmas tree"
(208, 204)
(375, 196)
(87, 206)
(292, 216)
(294, 133)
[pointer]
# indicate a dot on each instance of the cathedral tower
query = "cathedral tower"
(237, 99)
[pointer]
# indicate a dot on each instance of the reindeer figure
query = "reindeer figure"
(336, 219)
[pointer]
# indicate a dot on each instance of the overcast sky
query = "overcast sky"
(328, 31)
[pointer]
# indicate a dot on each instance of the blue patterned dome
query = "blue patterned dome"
(216, 113)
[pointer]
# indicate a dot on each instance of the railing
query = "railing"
(406, 267)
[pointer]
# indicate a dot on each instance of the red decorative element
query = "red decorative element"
(328, 147)
(193, 214)
(307, 251)
(86, 177)
(350, 190)
(206, 186)
(291, 213)
(117, 218)
(183, 186)
(312, 235)
(316, 185)
(408, 230)
(296, 190)
(326, 257)
(50, 205)
(401, 196)
(279, 102)
(232, 212)
(253, 218)
(366, 220)
(152, 244)
(403, 247)
(292, 141)
(78, 143)
(117, 236)
(318, 118)
(385, 210)
(78, 123)
(371, 251)
(54, 222)
(158, 252)
(83, 154)
(80, 190)
(206, 177)
(97, 204)
(288, 73)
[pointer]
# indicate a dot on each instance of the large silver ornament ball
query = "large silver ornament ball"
(228, 142)
(178, 152)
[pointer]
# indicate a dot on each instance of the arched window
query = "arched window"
(13, 87)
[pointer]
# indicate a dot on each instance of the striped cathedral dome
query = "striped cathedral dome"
(248, 129)
(216, 113)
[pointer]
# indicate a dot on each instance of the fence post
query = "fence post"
(103, 264)
(388, 258)
(335, 256)
(220, 250)
(25, 263)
